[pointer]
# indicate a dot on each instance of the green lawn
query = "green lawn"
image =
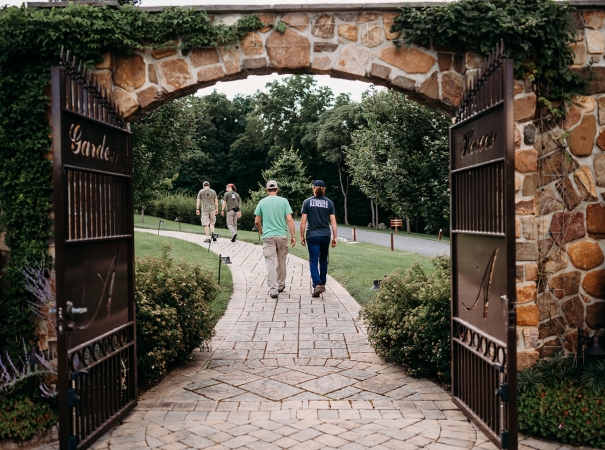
(148, 244)
(355, 266)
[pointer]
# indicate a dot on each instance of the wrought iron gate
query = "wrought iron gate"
(484, 359)
(94, 257)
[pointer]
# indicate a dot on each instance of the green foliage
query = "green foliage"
(173, 313)
(30, 43)
(171, 206)
(399, 156)
(409, 320)
(21, 418)
(566, 412)
(536, 35)
(159, 141)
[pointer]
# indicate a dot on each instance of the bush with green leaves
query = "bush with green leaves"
(409, 320)
(174, 314)
(21, 418)
(559, 401)
(171, 206)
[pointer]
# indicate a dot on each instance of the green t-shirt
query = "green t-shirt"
(207, 196)
(273, 210)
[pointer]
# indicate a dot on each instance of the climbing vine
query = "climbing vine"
(536, 35)
(30, 43)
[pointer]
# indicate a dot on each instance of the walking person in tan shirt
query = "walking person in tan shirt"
(209, 202)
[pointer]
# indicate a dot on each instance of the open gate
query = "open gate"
(94, 257)
(482, 171)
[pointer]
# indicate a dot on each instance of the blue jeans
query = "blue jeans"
(318, 258)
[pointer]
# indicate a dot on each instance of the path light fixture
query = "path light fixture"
(178, 219)
(222, 260)
(159, 225)
(377, 284)
(593, 343)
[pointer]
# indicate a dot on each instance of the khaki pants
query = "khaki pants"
(232, 222)
(275, 250)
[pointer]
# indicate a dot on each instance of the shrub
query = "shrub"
(558, 401)
(171, 206)
(566, 412)
(21, 418)
(409, 320)
(173, 313)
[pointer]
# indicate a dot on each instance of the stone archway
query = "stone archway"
(349, 44)
(553, 185)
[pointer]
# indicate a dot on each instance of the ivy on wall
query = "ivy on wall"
(536, 35)
(30, 43)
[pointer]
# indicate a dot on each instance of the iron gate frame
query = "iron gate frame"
(484, 368)
(92, 206)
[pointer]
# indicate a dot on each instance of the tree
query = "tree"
(289, 172)
(400, 158)
(332, 133)
(158, 143)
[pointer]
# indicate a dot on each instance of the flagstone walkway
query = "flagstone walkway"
(291, 373)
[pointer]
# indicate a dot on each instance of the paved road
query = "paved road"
(402, 242)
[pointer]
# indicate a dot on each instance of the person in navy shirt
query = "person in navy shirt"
(318, 216)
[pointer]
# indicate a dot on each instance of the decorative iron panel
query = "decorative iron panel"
(483, 253)
(94, 257)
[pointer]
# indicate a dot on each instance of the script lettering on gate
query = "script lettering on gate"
(88, 149)
(478, 144)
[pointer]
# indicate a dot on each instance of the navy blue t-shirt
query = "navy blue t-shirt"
(318, 211)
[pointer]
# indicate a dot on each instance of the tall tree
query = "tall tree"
(399, 157)
(332, 133)
(158, 142)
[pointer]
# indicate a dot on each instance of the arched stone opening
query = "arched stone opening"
(559, 181)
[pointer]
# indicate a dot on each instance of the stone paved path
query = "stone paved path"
(292, 373)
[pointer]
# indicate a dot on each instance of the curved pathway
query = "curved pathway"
(291, 373)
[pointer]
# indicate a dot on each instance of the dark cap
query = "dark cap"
(319, 183)
(206, 183)
(271, 184)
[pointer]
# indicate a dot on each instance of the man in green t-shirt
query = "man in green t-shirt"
(273, 219)
(231, 204)
(207, 197)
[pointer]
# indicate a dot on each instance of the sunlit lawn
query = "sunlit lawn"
(355, 266)
(148, 244)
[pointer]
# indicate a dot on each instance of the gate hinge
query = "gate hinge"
(502, 392)
(504, 439)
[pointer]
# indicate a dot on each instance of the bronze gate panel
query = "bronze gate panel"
(94, 257)
(484, 360)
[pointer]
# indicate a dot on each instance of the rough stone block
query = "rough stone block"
(388, 21)
(452, 88)
(595, 315)
(595, 221)
(594, 283)
(298, 21)
(211, 73)
(164, 52)
(430, 86)
(410, 60)
(530, 228)
(289, 50)
(130, 72)
(530, 181)
(526, 293)
(404, 83)
(550, 347)
(552, 327)
(524, 207)
(595, 42)
(268, 20)
(175, 74)
(148, 96)
(319, 47)
(353, 60)
(554, 166)
(372, 35)
(322, 63)
(527, 251)
(526, 161)
(579, 53)
(593, 18)
(567, 226)
(586, 185)
(531, 272)
(323, 27)
(252, 44)
(568, 193)
(566, 284)
(530, 337)
(573, 309)
(585, 255)
(527, 359)
(127, 104)
(254, 63)
(581, 138)
(380, 71)
(525, 108)
(548, 306)
(204, 57)
(546, 202)
(349, 32)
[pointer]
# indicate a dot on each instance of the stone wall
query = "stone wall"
(560, 175)
(560, 185)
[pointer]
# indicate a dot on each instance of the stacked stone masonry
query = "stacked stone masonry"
(560, 175)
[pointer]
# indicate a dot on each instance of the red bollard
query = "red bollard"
(440, 233)
(354, 234)
(392, 243)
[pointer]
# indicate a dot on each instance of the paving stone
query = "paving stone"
(296, 373)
